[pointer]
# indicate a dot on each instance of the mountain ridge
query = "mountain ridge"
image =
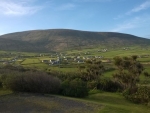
(62, 39)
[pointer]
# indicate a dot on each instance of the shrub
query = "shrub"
(1, 83)
(142, 95)
(74, 88)
(67, 75)
(109, 85)
(4, 77)
(14, 68)
(128, 71)
(36, 82)
(92, 84)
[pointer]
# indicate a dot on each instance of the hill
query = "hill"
(64, 39)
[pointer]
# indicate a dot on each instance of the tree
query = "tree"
(129, 70)
(147, 76)
(92, 72)
(74, 88)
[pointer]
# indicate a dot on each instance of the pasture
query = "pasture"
(115, 103)
(30, 61)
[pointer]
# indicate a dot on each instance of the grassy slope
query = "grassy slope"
(115, 103)
(101, 102)
(24, 102)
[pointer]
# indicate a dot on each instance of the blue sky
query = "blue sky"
(125, 16)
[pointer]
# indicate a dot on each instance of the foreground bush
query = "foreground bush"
(141, 96)
(1, 84)
(74, 88)
(36, 82)
(109, 85)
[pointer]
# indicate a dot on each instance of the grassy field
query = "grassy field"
(115, 103)
(31, 61)
(144, 60)
(61, 69)
(113, 52)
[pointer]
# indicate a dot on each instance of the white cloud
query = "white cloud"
(141, 7)
(136, 22)
(17, 8)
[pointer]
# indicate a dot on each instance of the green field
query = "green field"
(115, 103)
(30, 61)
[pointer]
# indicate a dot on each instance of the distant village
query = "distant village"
(52, 59)
(58, 58)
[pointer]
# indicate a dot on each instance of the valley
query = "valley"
(80, 66)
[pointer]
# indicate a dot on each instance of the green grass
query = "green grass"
(40, 66)
(45, 58)
(144, 59)
(109, 74)
(31, 61)
(2, 52)
(113, 52)
(116, 103)
(4, 92)
(147, 68)
(101, 102)
(63, 69)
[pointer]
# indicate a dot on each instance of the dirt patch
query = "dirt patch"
(33, 103)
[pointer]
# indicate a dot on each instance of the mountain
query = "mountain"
(64, 39)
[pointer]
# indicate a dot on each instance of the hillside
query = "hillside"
(64, 39)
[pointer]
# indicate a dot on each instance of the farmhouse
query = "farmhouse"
(80, 61)
(52, 61)
(45, 61)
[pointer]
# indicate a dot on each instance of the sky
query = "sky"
(124, 16)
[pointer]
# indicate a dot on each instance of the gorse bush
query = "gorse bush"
(74, 88)
(6, 75)
(1, 84)
(36, 82)
(128, 71)
(141, 96)
(109, 85)
(65, 76)
(12, 68)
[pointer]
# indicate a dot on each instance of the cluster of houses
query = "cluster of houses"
(52, 61)
(69, 59)
(8, 61)
(125, 48)
(103, 50)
